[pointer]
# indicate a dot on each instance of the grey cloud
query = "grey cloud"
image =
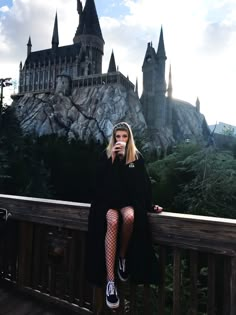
(20, 23)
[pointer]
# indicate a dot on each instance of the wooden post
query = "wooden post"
(233, 287)
(176, 284)
(25, 253)
(211, 285)
(161, 289)
(194, 279)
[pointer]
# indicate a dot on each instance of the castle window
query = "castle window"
(148, 59)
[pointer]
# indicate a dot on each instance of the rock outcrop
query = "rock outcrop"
(91, 112)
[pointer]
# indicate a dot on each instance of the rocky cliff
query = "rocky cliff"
(90, 113)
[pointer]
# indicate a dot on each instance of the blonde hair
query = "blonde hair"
(131, 150)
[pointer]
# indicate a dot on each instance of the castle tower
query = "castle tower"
(89, 35)
(136, 86)
(55, 36)
(198, 105)
(154, 85)
(148, 96)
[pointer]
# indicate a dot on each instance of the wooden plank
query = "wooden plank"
(72, 270)
(36, 256)
(82, 242)
(133, 300)
(176, 282)
(45, 211)
(226, 288)
(25, 253)
(44, 260)
(194, 232)
(233, 287)
(98, 303)
(161, 288)
(211, 302)
(121, 287)
(146, 296)
(194, 280)
(28, 302)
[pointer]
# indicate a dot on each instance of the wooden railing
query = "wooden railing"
(42, 252)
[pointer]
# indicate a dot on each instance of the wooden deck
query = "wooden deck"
(14, 302)
(42, 256)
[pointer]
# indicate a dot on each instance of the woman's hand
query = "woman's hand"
(118, 149)
(157, 209)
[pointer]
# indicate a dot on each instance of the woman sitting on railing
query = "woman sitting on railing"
(121, 202)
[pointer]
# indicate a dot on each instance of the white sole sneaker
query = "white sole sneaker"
(113, 305)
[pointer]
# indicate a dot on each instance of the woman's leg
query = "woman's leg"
(112, 217)
(127, 229)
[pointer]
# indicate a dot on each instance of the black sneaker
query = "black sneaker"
(112, 298)
(122, 269)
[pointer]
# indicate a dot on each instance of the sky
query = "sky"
(199, 37)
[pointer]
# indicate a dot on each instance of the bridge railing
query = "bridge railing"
(42, 252)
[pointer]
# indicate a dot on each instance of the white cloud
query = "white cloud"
(199, 35)
(4, 9)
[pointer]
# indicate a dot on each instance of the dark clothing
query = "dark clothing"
(118, 185)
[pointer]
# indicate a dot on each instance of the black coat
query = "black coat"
(131, 182)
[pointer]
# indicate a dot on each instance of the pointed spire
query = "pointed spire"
(112, 64)
(170, 88)
(161, 53)
(198, 105)
(29, 42)
(89, 22)
(136, 86)
(29, 46)
(79, 7)
(55, 36)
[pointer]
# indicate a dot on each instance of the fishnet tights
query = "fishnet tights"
(112, 218)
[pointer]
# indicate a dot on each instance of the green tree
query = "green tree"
(24, 172)
(196, 180)
(228, 131)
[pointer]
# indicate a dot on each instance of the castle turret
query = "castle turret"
(112, 63)
(198, 105)
(55, 36)
(149, 69)
(154, 85)
(29, 46)
(89, 35)
(136, 86)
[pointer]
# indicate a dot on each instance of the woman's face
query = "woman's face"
(121, 135)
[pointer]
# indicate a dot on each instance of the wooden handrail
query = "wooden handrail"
(211, 234)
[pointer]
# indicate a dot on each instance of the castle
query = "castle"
(62, 69)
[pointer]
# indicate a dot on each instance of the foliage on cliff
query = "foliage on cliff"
(196, 180)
